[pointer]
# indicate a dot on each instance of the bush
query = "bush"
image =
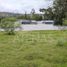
(8, 24)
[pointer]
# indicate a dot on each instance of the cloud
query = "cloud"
(23, 5)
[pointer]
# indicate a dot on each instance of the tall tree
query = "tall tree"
(32, 14)
(48, 13)
(60, 10)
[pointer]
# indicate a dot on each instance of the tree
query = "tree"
(25, 15)
(8, 24)
(32, 14)
(33, 11)
(42, 10)
(48, 13)
(60, 10)
(35, 16)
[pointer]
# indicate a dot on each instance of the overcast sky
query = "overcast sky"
(21, 6)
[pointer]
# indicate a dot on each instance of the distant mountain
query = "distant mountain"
(8, 14)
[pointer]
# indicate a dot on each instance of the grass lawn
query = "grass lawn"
(34, 49)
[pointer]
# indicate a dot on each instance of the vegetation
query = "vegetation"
(48, 13)
(58, 12)
(31, 16)
(60, 9)
(8, 24)
(34, 49)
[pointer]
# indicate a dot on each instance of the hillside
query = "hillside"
(8, 14)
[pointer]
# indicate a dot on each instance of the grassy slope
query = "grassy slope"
(34, 49)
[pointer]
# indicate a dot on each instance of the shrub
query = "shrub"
(9, 25)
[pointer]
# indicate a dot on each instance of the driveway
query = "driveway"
(30, 27)
(42, 27)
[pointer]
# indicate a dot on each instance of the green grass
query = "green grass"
(34, 49)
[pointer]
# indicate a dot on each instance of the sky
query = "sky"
(22, 6)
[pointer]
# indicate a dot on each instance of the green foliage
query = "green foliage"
(21, 17)
(58, 12)
(8, 24)
(60, 9)
(36, 17)
(48, 13)
(31, 16)
(24, 16)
